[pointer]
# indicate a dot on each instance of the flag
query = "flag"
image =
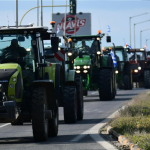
(58, 30)
(129, 46)
(113, 58)
(108, 28)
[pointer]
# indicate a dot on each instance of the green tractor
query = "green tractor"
(27, 83)
(123, 70)
(70, 85)
(97, 70)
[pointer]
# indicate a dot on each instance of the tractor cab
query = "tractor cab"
(138, 61)
(26, 88)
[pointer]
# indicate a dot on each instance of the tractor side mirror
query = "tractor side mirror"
(128, 50)
(108, 38)
(80, 54)
(54, 43)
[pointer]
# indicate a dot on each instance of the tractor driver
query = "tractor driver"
(13, 53)
(85, 47)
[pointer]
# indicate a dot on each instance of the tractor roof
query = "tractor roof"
(21, 29)
(137, 50)
(86, 36)
(116, 47)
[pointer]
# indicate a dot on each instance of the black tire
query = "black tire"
(80, 104)
(126, 82)
(105, 84)
(147, 79)
(53, 123)
(127, 71)
(70, 104)
(85, 92)
(39, 123)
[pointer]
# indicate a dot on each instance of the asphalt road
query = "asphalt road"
(70, 136)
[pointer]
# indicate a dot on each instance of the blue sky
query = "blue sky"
(103, 12)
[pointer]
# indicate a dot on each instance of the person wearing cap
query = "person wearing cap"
(14, 52)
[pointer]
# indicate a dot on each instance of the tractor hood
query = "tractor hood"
(11, 80)
(86, 60)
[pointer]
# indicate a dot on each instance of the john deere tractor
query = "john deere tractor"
(97, 70)
(123, 70)
(70, 89)
(28, 85)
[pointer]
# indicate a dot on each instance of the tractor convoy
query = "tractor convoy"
(38, 75)
(96, 70)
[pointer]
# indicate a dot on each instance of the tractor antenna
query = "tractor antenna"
(8, 20)
(99, 23)
(14, 16)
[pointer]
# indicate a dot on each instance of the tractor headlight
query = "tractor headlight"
(78, 67)
(98, 52)
(78, 71)
(69, 54)
(88, 67)
(14, 79)
(59, 48)
(85, 71)
(85, 67)
(11, 86)
(75, 67)
(136, 70)
(116, 71)
(139, 68)
(1, 87)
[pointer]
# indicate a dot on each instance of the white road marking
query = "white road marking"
(94, 133)
(4, 125)
(94, 93)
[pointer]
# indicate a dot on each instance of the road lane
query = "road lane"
(20, 137)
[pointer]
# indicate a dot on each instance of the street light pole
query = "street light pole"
(130, 24)
(134, 29)
(16, 13)
(141, 36)
(41, 14)
(146, 41)
(38, 13)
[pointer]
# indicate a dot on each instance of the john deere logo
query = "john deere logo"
(70, 24)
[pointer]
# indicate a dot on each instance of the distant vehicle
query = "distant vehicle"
(140, 65)
(123, 67)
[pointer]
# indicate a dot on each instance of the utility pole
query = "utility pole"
(37, 12)
(41, 14)
(52, 10)
(16, 13)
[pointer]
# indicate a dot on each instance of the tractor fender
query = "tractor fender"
(70, 77)
(50, 91)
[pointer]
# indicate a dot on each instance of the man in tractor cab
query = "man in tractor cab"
(14, 53)
(85, 47)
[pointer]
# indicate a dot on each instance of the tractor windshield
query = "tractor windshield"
(87, 46)
(119, 53)
(136, 56)
(17, 48)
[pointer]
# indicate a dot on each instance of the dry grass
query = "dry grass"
(134, 120)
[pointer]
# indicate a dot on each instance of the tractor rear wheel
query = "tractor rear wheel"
(53, 123)
(126, 82)
(85, 92)
(127, 72)
(147, 79)
(70, 104)
(39, 106)
(80, 106)
(105, 84)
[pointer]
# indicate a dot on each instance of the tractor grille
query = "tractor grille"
(18, 87)
(5, 75)
(134, 66)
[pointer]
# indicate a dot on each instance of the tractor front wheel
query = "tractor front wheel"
(147, 79)
(80, 106)
(39, 106)
(70, 104)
